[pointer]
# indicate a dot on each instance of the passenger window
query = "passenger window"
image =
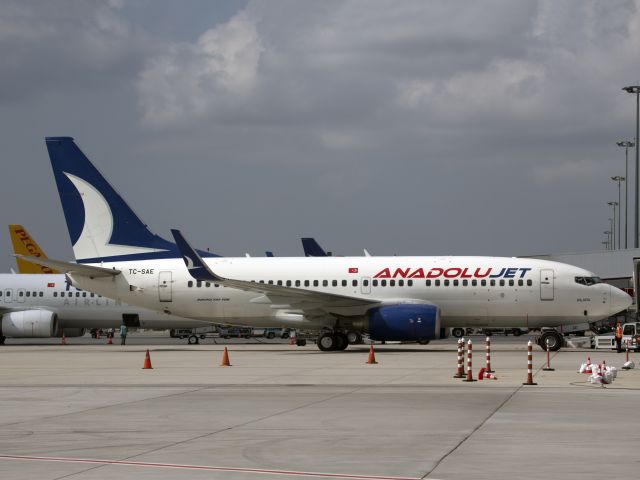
(409, 283)
(325, 283)
(77, 294)
(306, 283)
(392, 283)
(446, 282)
(493, 283)
(208, 284)
(315, 283)
(401, 283)
(28, 294)
(374, 283)
(383, 283)
(344, 283)
(334, 283)
(84, 294)
(428, 282)
(520, 283)
(297, 283)
(261, 281)
(354, 283)
(280, 283)
(288, 283)
(199, 283)
(437, 283)
(455, 283)
(465, 283)
(474, 283)
(365, 283)
(55, 294)
(511, 283)
(483, 283)
(270, 282)
(93, 295)
(215, 285)
(62, 294)
(529, 282)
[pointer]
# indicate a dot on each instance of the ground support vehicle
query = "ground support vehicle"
(630, 333)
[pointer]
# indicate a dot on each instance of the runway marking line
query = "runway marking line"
(131, 463)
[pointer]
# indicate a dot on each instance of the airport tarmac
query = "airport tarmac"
(89, 411)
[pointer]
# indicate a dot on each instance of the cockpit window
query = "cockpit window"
(588, 280)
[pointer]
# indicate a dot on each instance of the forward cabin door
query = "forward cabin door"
(546, 284)
(164, 286)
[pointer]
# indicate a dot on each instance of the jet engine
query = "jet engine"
(29, 324)
(403, 322)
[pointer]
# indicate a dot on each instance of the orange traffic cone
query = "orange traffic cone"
(109, 339)
(372, 356)
(225, 358)
(63, 340)
(147, 362)
(483, 375)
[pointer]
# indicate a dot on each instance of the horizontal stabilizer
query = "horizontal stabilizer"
(72, 268)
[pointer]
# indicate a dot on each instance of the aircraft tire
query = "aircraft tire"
(326, 342)
(193, 340)
(342, 341)
(555, 340)
(457, 332)
(423, 341)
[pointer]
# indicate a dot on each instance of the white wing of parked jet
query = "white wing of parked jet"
(311, 303)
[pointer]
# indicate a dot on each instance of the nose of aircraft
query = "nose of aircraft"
(619, 300)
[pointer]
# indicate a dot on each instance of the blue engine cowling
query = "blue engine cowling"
(404, 322)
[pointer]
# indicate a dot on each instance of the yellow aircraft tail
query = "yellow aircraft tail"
(23, 244)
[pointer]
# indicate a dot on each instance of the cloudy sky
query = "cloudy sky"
(406, 127)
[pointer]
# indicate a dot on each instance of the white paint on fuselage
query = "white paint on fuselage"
(78, 309)
(506, 306)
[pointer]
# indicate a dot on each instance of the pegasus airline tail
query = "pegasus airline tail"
(24, 244)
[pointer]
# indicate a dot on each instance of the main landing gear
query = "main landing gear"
(332, 341)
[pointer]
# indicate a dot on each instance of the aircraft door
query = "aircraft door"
(546, 284)
(8, 295)
(365, 285)
(164, 286)
(21, 295)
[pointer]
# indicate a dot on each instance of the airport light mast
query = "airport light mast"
(613, 225)
(618, 179)
(608, 234)
(626, 144)
(636, 89)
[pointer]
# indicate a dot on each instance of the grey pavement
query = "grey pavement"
(294, 412)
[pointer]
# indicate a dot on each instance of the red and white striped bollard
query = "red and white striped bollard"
(460, 372)
(487, 367)
(548, 367)
(469, 363)
(529, 365)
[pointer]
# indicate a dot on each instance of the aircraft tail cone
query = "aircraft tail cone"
(372, 356)
(225, 358)
(147, 361)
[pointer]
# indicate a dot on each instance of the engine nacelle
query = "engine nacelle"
(404, 322)
(29, 324)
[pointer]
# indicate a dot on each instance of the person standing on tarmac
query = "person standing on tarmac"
(619, 337)
(123, 334)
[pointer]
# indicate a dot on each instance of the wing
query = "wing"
(311, 303)
(72, 268)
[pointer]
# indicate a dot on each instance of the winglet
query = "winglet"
(312, 248)
(196, 266)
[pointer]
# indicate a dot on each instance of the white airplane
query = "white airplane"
(36, 305)
(390, 298)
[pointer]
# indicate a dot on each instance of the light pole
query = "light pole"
(636, 89)
(608, 234)
(626, 144)
(619, 179)
(613, 225)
